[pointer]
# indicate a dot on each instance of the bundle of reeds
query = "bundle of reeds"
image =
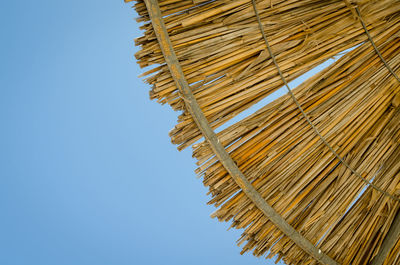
(354, 104)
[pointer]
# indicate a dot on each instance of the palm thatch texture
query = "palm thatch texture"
(354, 103)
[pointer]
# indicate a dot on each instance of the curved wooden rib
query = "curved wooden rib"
(389, 241)
(394, 232)
(201, 121)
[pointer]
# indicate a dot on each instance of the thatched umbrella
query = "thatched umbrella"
(313, 176)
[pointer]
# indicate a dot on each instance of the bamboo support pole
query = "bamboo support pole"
(220, 152)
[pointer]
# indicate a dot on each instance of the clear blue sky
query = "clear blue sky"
(87, 171)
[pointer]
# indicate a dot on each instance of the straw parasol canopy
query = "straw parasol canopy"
(313, 177)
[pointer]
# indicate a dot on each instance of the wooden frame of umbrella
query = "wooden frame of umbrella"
(237, 138)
